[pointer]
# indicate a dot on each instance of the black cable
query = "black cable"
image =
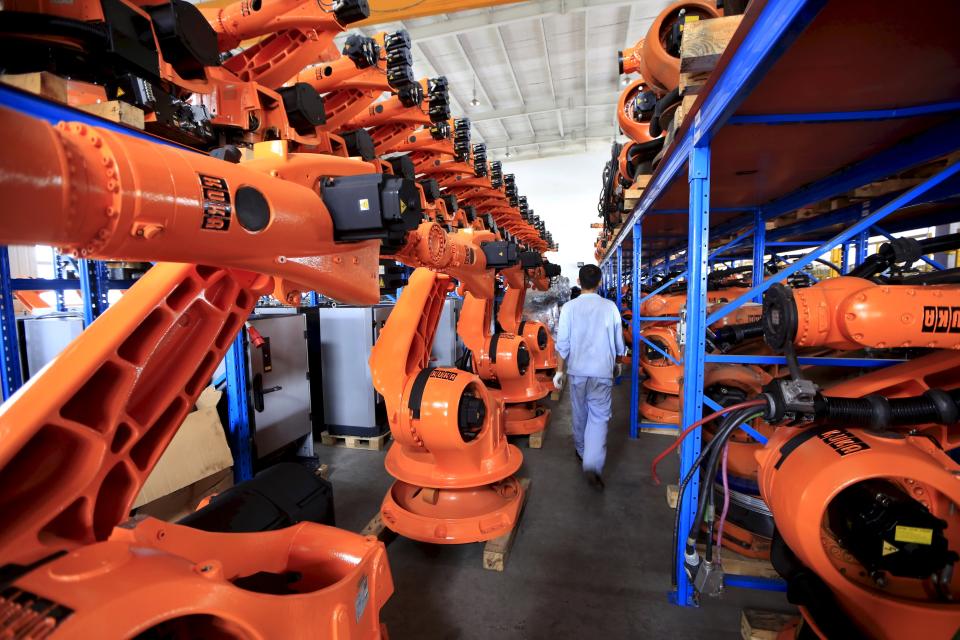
(829, 264)
(683, 485)
(944, 276)
(706, 490)
(726, 428)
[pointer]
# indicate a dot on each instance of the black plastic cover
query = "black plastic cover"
(359, 143)
(186, 39)
(350, 11)
(500, 254)
(403, 167)
(304, 107)
(530, 259)
(451, 201)
(372, 206)
(277, 497)
(431, 189)
(363, 51)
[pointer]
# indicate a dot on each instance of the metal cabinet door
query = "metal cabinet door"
(279, 382)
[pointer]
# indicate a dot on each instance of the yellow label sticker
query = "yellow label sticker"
(916, 535)
(364, 204)
(403, 207)
(888, 548)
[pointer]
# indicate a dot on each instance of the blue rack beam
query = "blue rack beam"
(10, 375)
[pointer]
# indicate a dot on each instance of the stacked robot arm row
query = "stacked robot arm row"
(645, 108)
(297, 192)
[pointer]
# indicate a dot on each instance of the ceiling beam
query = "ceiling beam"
(586, 64)
(507, 15)
(420, 56)
(604, 132)
(547, 106)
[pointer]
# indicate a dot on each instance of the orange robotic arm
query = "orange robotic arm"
(80, 439)
(847, 493)
(97, 193)
(296, 34)
(451, 458)
(850, 313)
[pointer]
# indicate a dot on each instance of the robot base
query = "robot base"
(665, 411)
(526, 418)
(452, 516)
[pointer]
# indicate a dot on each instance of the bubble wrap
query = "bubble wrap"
(544, 306)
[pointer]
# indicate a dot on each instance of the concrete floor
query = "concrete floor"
(585, 565)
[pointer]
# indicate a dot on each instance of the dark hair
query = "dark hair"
(574, 292)
(590, 276)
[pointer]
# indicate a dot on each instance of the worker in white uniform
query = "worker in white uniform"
(590, 341)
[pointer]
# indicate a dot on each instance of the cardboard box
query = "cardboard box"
(195, 461)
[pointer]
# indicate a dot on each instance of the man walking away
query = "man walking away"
(590, 340)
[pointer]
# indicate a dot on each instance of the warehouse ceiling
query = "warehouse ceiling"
(545, 71)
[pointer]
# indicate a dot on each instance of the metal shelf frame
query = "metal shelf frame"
(93, 285)
(775, 29)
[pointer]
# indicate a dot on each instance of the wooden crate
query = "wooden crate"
(375, 443)
(703, 43)
(763, 625)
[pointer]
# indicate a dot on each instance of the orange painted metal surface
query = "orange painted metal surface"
(141, 201)
(451, 458)
(80, 439)
(633, 129)
(799, 488)
(153, 576)
(851, 313)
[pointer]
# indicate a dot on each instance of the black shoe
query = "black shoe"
(594, 480)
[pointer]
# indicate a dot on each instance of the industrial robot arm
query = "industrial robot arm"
(81, 437)
(97, 193)
(850, 313)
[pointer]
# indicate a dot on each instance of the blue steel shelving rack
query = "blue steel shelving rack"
(93, 285)
(774, 31)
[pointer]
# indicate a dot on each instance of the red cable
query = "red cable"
(686, 432)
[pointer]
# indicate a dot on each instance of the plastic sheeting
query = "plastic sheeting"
(544, 306)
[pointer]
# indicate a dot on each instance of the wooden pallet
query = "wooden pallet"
(40, 83)
(763, 625)
(379, 530)
(116, 111)
(632, 195)
(704, 41)
(534, 440)
(495, 552)
(375, 443)
(660, 431)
